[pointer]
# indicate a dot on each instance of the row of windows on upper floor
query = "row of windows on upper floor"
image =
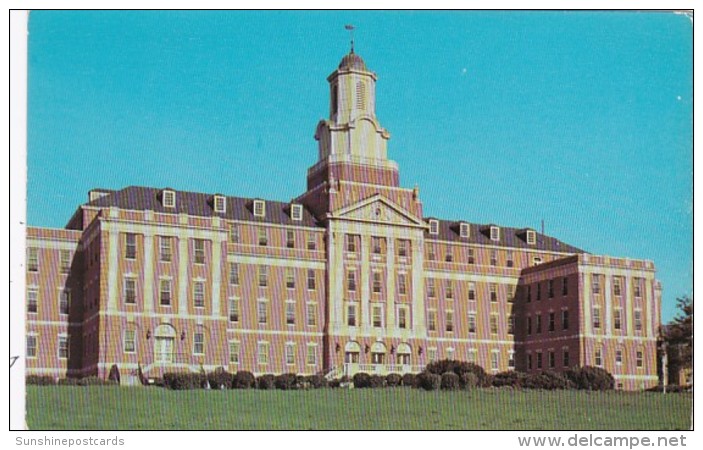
(617, 319)
(493, 231)
(551, 323)
(563, 282)
(598, 357)
(65, 258)
(433, 355)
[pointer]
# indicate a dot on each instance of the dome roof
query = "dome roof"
(352, 61)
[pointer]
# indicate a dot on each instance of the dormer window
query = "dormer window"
(464, 230)
(168, 198)
(434, 226)
(495, 234)
(296, 212)
(220, 204)
(259, 208)
(531, 237)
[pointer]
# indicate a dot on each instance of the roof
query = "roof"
(139, 198)
(352, 61)
(509, 237)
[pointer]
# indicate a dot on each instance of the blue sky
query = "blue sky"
(580, 119)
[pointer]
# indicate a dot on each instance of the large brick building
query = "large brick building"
(350, 276)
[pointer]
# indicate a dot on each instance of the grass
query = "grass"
(139, 408)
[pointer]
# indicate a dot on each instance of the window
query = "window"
(262, 353)
(596, 283)
(351, 243)
(432, 354)
(494, 258)
(311, 357)
(511, 360)
(165, 292)
(564, 286)
(432, 320)
(351, 281)
(536, 260)
(471, 259)
(234, 310)
(220, 204)
(234, 234)
(129, 341)
(538, 324)
(565, 320)
(312, 243)
(130, 246)
(539, 291)
(596, 317)
(511, 324)
(376, 245)
(494, 324)
(312, 314)
(599, 357)
(311, 279)
(263, 237)
(494, 360)
(168, 198)
(360, 95)
(617, 319)
(377, 282)
(565, 357)
(64, 301)
(65, 261)
(552, 360)
(32, 259)
(464, 230)
(511, 293)
(165, 252)
(618, 356)
(263, 276)
(234, 274)
(495, 233)
(262, 312)
(32, 300)
(199, 294)
(551, 321)
(130, 290)
(509, 259)
(617, 288)
(529, 294)
(290, 353)
(199, 251)
(471, 357)
(290, 238)
(472, 292)
(290, 313)
(529, 362)
(637, 287)
(434, 226)
(449, 321)
(449, 257)
(531, 237)
(63, 347)
(539, 360)
(234, 352)
(377, 316)
(472, 322)
(31, 346)
(638, 320)
(351, 315)
(402, 248)
(431, 289)
(493, 288)
(529, 326)
(402, 284)
(450, 354)
(431, 253)
(296, 212)
(290, 278)
(402, 317)
(259, 208)
(550, 288)
(449, 289)
(639, 359)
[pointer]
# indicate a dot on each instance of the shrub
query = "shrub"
(334, 383)
(548, 380)
(511, 378)
(265, 382)
(95, 381)
(182, 380)
(377, 381)
(362, 380)
(393, 380)
(429, 381)
(317, 381)
(220, 379)
(459, 368)
(450, 381)
(286, 381)
(410, 380)
(114, 374)
(590, 378)
(39, 380)
(243, 380)
(68, 382)
(468, 380)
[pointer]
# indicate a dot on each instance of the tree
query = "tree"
(678, 336)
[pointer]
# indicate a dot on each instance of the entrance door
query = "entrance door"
(351, 357)
(163, 349)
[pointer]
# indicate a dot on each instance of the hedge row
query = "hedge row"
(45, 380)
(221, 379)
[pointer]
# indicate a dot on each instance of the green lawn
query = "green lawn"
(116, 408)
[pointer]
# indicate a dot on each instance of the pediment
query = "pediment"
(378, 209)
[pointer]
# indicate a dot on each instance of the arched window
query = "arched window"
(378, 353)
(404, 351)
(334, 97)
(360, 95)
(351, 352)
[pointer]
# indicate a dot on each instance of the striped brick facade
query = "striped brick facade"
(350, 276)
